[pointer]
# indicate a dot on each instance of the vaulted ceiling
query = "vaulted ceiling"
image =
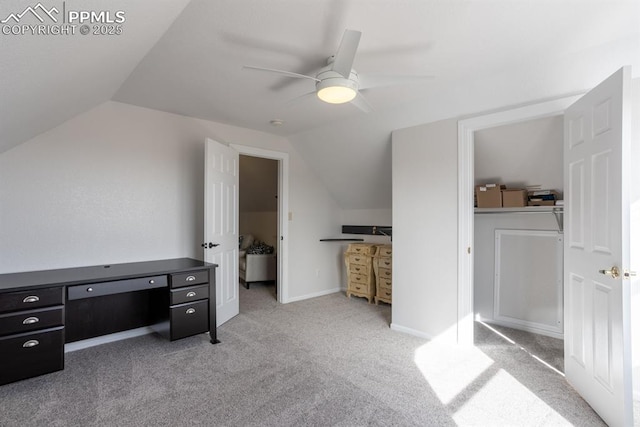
(187, 57)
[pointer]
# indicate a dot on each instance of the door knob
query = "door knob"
(210, 245)
(614, 272)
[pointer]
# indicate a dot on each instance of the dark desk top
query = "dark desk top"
(97, 273)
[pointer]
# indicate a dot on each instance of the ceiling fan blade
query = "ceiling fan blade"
(346, 53)
(286, 73)
(300, 98)
(362, 103)
(368, 82)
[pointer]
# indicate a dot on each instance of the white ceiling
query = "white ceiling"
(484, 55)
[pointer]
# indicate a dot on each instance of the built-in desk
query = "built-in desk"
(40, 311)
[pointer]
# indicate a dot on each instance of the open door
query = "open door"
(221, 225)
(597, 294)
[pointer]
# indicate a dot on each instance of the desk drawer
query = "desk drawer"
(116, 287)
(30, 320)
(27, 355)
(26, 300)
(192, 293)
(189, 319)
(189, 279)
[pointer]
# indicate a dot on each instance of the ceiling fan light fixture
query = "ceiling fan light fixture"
(336, 94)
(337, 90)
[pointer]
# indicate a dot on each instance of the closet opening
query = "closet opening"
(518, 260)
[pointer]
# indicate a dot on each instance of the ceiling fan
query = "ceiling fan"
(338, 82)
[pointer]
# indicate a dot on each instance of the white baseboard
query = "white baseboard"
(522, 327)
(91, 342)
(313, 295)
(410, 331)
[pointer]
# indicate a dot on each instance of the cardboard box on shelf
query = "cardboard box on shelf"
(489, 195)
(514, 198)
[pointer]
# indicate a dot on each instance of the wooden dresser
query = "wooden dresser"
(360, 277)
(382, 269)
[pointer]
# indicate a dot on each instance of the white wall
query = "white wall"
(521, 154)
(121, 183)
(485, 226)
(262, 225)
(425, 229)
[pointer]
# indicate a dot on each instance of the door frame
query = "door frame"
(282, 251)
(466, 185)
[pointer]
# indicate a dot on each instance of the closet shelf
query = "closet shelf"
(524, 209)
(557, 211)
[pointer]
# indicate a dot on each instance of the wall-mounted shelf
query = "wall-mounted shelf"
(342, 240)
(374, 230)
(557, 211)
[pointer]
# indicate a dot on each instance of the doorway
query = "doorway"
(258, 226)
(598, 127)
(280, 240)
(466, 186)
(518, 265)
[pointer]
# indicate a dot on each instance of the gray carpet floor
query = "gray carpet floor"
(327, 361)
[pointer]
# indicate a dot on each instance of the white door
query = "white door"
(597, 328)
(221, 225)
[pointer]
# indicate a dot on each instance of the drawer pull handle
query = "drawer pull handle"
(31, 343)
(191, 310)
(89, 289)
(152, 281)
(191, 294)
(30, 320)
(31, 298)
(190, 278)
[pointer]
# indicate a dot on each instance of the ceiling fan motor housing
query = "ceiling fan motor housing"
(335, 88)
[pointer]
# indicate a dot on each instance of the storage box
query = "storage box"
(543, 197)
(489, 195)
(514, 198)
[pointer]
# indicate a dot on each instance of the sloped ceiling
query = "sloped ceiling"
(48, 79)
(484, 56)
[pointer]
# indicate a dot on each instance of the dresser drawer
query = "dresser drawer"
(384, 283)
(30, 320)
(362, 288)
(361, 248)
(384, 273)
(27, 355)
(26, 300)
(189, 279)
(115, 287)
(188, 294)
(359, 269)
(384, 263)
(359, 259)
(360, 278)
(384, 251)
(384, 294)
(189, 319)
